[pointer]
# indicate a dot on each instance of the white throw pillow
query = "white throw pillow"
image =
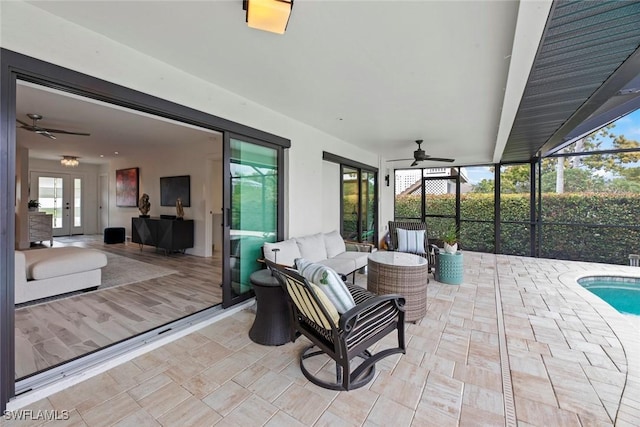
(334, 244)
(286, 255)
(312, 247)
(329, 282)
(411, 241)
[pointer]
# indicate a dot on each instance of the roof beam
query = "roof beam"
(530, 26)
(616, 81)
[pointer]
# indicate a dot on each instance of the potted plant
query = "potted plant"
(33, 205)
(450, 239)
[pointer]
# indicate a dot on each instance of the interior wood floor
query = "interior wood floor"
(53, 332)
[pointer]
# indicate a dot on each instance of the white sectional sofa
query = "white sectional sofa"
(43, 273)
(328, 249)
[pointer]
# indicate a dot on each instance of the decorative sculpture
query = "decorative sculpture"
(144, 206)
(179, 209)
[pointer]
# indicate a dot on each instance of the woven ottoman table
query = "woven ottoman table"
(403, 274)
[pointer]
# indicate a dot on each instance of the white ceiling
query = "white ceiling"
(378, 74)
(113, 129)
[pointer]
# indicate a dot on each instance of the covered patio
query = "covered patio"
(518, 343)
(486, 84)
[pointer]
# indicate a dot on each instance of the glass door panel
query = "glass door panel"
(50, 196)
(368, 203)
(77, 202)
(350, 203)
(61, 196)
(359, 205)
(252, 216)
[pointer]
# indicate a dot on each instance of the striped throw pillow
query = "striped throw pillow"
(329, 282)
(307, 305)
(411, 241)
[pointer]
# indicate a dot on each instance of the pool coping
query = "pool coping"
(621, 325)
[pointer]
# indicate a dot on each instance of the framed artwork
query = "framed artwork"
(127, 185)
(174, 187)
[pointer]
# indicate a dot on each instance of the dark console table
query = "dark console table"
(168, 234)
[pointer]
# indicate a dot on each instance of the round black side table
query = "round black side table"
(272, 325)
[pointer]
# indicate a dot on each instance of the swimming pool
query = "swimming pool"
(622, 293)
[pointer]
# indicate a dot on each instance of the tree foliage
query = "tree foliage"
(614, 163)
(484, 186)
(605, 172)
(575, 180)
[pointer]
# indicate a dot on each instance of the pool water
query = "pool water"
(622, 293)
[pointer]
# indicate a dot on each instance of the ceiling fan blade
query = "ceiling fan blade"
(24, 125)
(440, 159)
(399, 160)
(415, 162)
(45, 134)
(66, 132)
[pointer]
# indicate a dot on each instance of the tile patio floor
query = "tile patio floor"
(518, 343)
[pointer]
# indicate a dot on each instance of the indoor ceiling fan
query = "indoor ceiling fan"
(46, 132)
(419, 155)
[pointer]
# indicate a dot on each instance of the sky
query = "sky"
(629, 126)
(477, 174)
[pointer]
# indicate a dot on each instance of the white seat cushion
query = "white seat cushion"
(286, 255)
(334, 243)
(312, 247)
(46, 263)
(343, 266)
(359, 259)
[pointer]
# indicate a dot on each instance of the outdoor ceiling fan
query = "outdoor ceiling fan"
(46, 132)
(419, 155)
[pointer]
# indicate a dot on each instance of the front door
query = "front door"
(61, 196)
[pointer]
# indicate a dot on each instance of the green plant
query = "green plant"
(33, 204)
(450, 235)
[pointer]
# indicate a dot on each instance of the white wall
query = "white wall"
(385, 210)
(193, 162)
(24, 27)
(330, 196)
(173, 161)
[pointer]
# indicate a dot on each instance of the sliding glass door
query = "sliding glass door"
(359, 201)
(252, 191)
(52, 355)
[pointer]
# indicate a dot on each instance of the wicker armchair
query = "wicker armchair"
(431, 251)
(341, 337)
